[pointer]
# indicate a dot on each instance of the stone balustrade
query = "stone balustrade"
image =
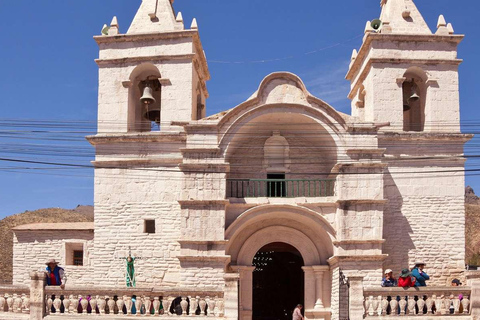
(127, 302)
(424, 301)
(14, 299)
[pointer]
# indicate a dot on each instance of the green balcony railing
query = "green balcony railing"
(279, 188)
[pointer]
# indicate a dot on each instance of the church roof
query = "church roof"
(55, 226)
(403, 17)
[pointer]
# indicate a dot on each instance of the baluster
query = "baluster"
(420, 304)
(193, 305)
(83, 303)
(25, 303)
(128, 304)
(66, 305)
(9, 302)
(411, 304)
(394, 305)
(170, 303)
(111, 305)
(375, 305)
(138, 305)
(456, 305)
(438, 304)
(16, 303)
(166, 305)
(74, 303)
(211, 307)
(156, 305)
(57, 303)
(446, 305)
(215, 310)
(402, 304)
(369, 306)
(184, 305)
(93, 304)
(466, 304)
(221, 309)
(49, 305)
(202, 304)
(384, 305)
(102, 303)
(148, 305)
(429, 304)
(2, 303)
(120, 304)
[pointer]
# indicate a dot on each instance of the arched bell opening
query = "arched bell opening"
(145, 95)
(414, 90)
(278, 281)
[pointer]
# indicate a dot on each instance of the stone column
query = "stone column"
(320, 285)
(356, 296)
(231, 296)
(246, 291)
(37, 295)
(310, 288)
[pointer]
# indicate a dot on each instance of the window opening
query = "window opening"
(78, 257)
(149, 226)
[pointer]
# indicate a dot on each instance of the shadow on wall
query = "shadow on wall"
(396, 228)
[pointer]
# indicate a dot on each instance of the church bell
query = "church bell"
(147, 97)
(414, 97)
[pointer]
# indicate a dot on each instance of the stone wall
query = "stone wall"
(32, 248)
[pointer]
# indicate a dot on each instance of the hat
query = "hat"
(405, 273)
(388, 271)
(51, 261)
(420, 263)
(457, 282)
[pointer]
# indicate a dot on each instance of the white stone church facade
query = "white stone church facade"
(203, 199)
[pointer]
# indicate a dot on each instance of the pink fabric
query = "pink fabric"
(297, 314)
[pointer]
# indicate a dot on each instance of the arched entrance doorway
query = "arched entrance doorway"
(278, 282)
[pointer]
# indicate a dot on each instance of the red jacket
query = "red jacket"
(406, 282)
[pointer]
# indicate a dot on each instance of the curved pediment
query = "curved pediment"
(284, 88)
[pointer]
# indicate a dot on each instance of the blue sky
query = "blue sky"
(48, 74)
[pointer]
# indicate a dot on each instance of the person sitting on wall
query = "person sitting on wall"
(406, 280)
(420, 275)
(389, 280)
(55, 274)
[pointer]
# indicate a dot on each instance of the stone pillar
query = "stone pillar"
(475, 299)
(246, 291)
(231, 296)
(321, 273)
(356, 297)
(37, 295)
(310, 290)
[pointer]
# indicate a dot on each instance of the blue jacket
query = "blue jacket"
(421, 277)
(58, 273)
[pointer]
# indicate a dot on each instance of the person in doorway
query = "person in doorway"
(389, 280)
(55, 274)
(406, 280)
(297, 313)
(420, 275)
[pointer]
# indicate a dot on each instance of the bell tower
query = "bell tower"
(153, 75)
(405, 74)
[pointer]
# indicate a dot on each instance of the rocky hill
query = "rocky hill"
(79, 214)
(472, 227)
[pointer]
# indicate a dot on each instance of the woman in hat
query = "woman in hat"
(406, 280)
(420, 275)
(389, 280)
(55, 274)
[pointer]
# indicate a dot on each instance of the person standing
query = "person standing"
(297, 313)
(406, 280)
(420, 275)
(55, 274)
